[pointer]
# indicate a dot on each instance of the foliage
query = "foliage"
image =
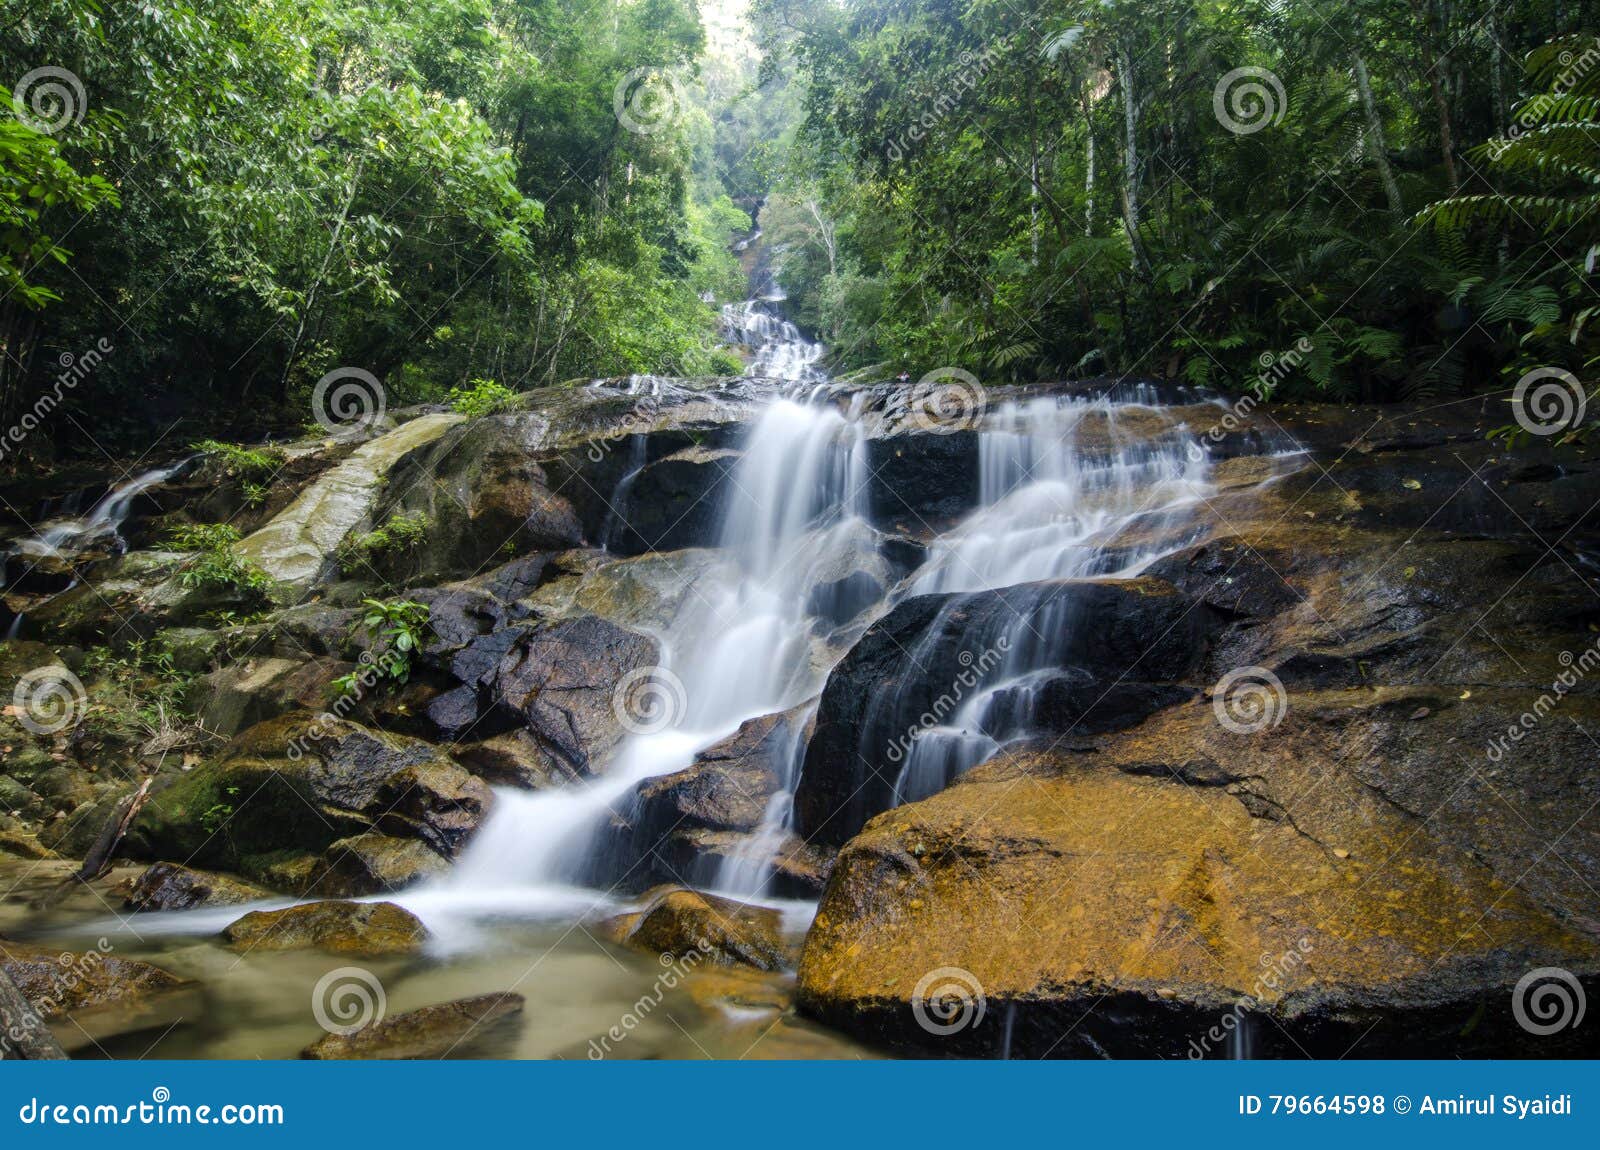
(403, 533)
(254, 465)
(217, 562)
(1046, 188)
(435, 191)
(481, 397)
(399, 628)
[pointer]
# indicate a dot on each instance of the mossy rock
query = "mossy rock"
(362, 928)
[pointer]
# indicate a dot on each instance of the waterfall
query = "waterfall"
(745, 644)
(64, 538)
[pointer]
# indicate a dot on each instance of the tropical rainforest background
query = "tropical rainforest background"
(1382, 199)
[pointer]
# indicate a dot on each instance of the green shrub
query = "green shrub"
(482, 397)
(402, 534)
(399, 628)
(217, 562)
(255, 464)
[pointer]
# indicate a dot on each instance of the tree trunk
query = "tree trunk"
(1130, 149)
(1376, 145)
(1441, 102)
(24, 1034)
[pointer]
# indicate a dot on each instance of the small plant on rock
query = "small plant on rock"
(482, 397)
(217, 562)
(256, 464)
(399, 628)
(402, 534)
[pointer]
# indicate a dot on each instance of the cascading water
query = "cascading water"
(747, 643)
(67, 537)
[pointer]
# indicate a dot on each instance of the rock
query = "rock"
(672, 503)
(302, 783)
(374, 864)
(680, 922)
(244, 694)
(727, 788)
(515, 759)
(24, 846)
(1121, 640)
(558, 680)
(1070, 890)
(168, 886)
(60, 983)
(482, 491)
(295, 547)
(432, 1032)
(194, 650)
(361, 928)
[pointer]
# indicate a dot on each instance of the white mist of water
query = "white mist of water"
(68, 537)
(744, 645)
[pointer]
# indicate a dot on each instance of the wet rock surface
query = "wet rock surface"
(432, 1032)
(360, 928)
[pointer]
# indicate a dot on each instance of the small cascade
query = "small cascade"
(46, 563)
(100, 527)
(776, 347)
(746, 644)
(746, 872)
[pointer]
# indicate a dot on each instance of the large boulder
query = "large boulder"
(301, 782)
(374, 864)
(296, 547)
(1054, 905)
(483, 493)
(558, 680)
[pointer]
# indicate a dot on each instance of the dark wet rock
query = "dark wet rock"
(559, 681)
(168, 886)
(924, 482)
(375, 864)
(60, 983)
(300, 782)
(1079, 702)
(840, 601)
(679, 922)
(362, 928)
(515, 759)
(449, 1028)
(670, 504)
(728, 786)
(1132, 632)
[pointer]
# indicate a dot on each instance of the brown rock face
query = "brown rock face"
(364, 928)
(168, 886)
(683, 923)
(374, 864)
(432, 1032)
(58, 982)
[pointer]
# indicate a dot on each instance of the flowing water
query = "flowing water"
(1069, 487)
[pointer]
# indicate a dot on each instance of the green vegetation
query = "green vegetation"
(255, 465)
(1052, 188)
(398, 628)
(402, 534)
(435, 191)
(481, 397)
(217, 562)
